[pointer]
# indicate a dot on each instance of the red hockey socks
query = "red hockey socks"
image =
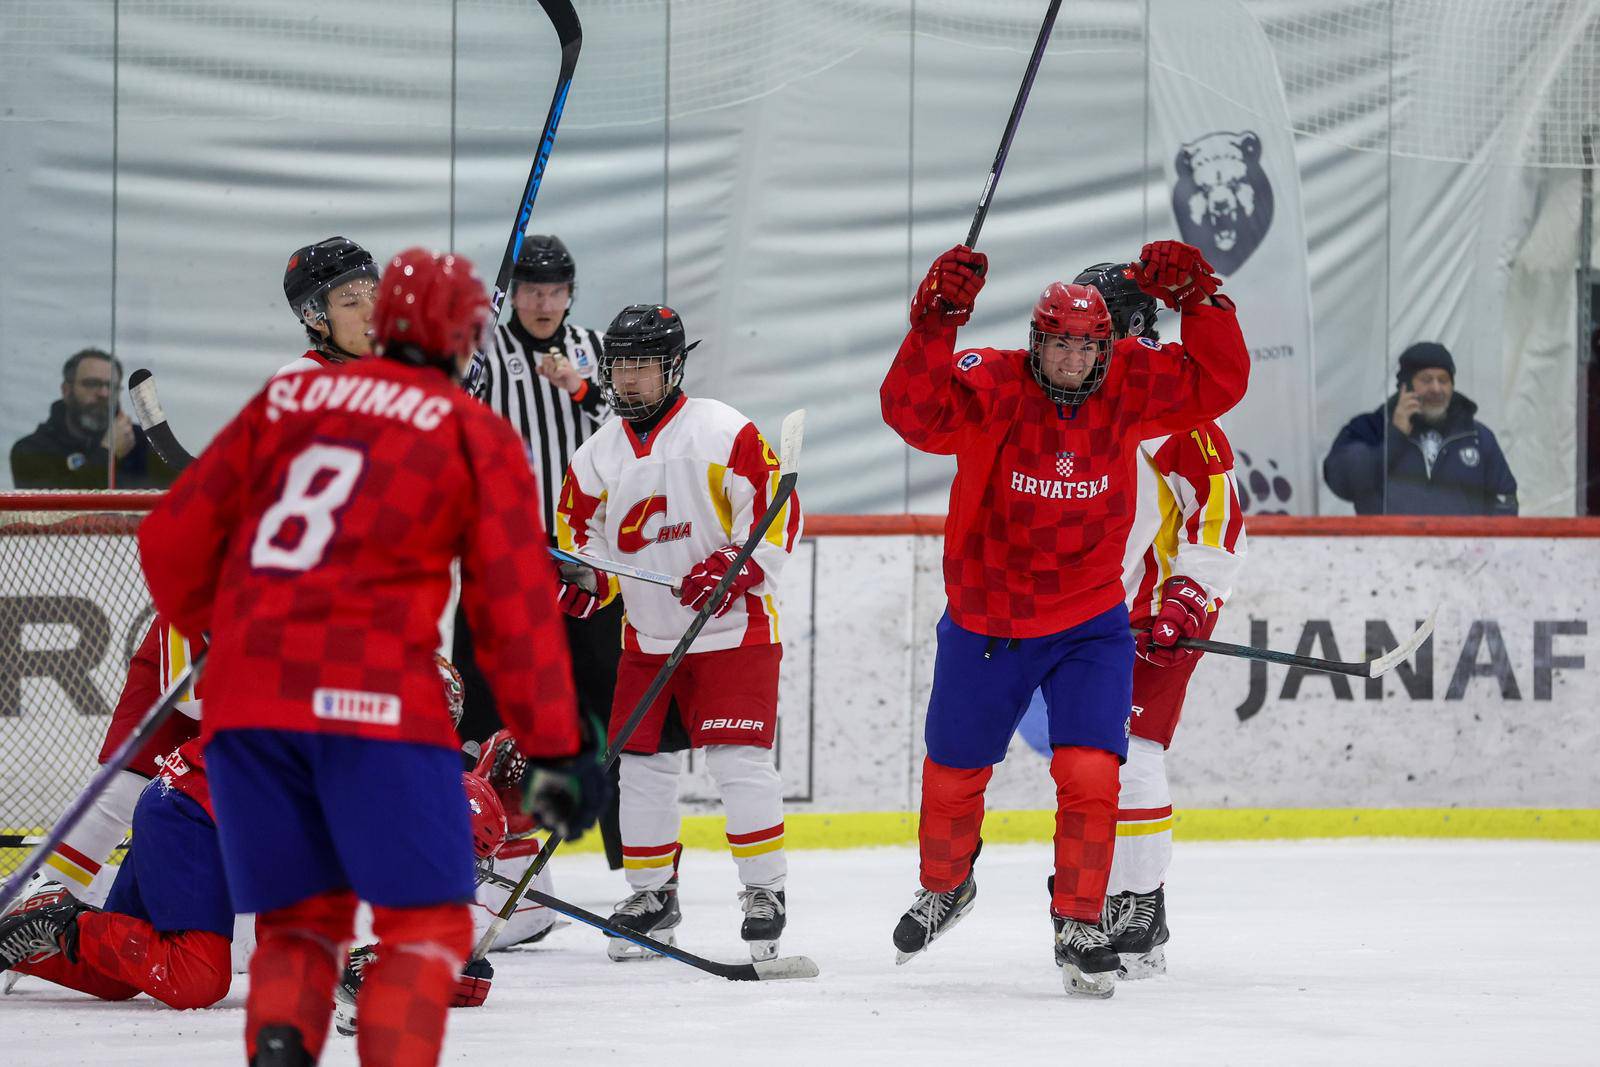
(299, 953)
(1086, 829)
(952, 819)
(406, 992)
(185, 969)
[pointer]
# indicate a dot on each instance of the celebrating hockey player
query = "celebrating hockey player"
(330, 288)
(675, 485)
(1185, 549)
(313, 541)
(1046, 446)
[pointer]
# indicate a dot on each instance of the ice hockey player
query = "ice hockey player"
(330, 287)
(1046, 446)
(675, 485)
(167, 927)
(313, 541)
(163, 654)
(1184, 552)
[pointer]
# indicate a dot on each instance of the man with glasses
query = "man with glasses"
(73, 448)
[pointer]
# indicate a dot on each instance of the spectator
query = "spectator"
(71, 449)
(1423, 452)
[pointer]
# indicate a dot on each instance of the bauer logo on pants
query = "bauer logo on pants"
(353, 705)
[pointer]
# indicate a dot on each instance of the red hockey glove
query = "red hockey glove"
(1182, 614)
(1176, 273)
(698, 584)
(580, 587)
(472, 985)
(950, 288)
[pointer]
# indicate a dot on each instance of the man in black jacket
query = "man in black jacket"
(72, 448)
(1422, 452)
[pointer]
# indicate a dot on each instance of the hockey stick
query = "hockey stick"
(760, 971)
(1011, 123)
(153, 421)
(118, 762)
(613, 567)
(793, 433)
(569, 31)
(1372, 668)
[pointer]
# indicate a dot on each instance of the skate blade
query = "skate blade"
(762, 950)
(622, 951)
(787, 967)
(1082, 984)
(12, 978)
(901, 957)
(1133, 966)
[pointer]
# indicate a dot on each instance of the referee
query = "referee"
(540, 377)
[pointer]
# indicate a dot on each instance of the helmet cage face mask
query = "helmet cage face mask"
(1061, 394)
(622, 354)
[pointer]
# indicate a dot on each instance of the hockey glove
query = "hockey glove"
(951, 286)
(580, 588)
(568, 795)
(1183, 614)
(699, 584)
(472, 984)
(1176, 274)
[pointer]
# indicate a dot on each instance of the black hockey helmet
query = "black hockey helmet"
(1133, 311)
(643, 333)
(543, 259)
(315, 270)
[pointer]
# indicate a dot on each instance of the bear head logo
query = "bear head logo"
(1222, 198)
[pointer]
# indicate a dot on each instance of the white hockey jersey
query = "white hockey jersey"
(699, 481)
(1187, 519)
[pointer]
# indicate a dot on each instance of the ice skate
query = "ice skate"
(349, 987)
(765, 915)
(652, 912)
(1139, 935)
(41, 926)
(1083, 952)
(41, 883)
(932, 916)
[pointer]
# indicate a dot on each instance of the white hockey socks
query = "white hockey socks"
(752, 799)
(82, 853)
(647, 816)
(1144, 821)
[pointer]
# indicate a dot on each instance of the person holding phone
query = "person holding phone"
(1423, 452)
(88, 441)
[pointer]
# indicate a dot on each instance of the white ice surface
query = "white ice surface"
(1348, 952)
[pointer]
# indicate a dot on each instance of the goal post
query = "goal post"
(73, 608)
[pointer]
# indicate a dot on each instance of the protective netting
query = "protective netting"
(1467, 80)
(73, 607)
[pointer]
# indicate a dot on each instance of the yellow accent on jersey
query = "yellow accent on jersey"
(716, 476)
(1216, 520)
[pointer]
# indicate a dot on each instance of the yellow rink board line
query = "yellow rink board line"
(866, 829)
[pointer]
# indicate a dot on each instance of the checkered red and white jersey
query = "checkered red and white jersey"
(1187, 520)
(1044, 494)
(313, 541)
(698, 482)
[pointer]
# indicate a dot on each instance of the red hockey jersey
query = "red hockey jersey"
(1044, 494)
(162, 655)
(313, 540)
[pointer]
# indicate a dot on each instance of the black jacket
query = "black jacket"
(53, 457)
(1370, 459)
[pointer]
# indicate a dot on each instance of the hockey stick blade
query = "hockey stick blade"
(626, 570)
(762, 971)
(153, 421)
(1372, 668)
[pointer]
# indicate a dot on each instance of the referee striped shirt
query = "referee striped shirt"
(552, 421)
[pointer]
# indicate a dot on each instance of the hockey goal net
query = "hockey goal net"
(73, 607)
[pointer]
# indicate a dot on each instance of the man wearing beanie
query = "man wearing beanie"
(1423, 452)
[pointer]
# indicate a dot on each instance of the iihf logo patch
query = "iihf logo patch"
(968, 361)
(1150, 344)
(1064, 463)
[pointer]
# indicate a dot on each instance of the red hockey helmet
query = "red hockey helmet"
(488, 816)
(1077, 313)
(431, 311)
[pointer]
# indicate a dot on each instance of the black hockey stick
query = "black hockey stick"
(569, 31)
(153, 421)
(1372, 668)
(792, 435)
(118, 762)
(1011, 123)
(758, 971)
